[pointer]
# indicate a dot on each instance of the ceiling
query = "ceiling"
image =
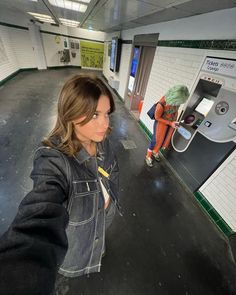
(116, 15)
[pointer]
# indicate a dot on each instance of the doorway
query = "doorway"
(141, 63)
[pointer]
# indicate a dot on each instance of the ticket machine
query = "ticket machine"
(211, 108)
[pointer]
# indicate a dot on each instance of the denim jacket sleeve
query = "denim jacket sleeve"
(34, 246)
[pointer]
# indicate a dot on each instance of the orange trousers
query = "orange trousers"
(160, 139)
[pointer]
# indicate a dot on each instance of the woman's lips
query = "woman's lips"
(102, 133)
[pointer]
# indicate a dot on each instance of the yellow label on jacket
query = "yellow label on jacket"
(103, 172)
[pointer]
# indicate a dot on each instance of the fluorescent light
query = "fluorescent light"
(66, 4)
(42, 17)
(84, 1)
(69, 22)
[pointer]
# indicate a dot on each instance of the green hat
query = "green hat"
(177, 95)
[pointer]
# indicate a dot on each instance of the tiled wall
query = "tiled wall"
(22, 47)
(10, 64)
(220, 190)
(20, 52)
(18, 47)
(170, 66)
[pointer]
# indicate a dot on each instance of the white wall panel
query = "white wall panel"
(51, 49)
(9, 65)
(37, 45)
(22, 47)
(19, 51)
(220, 190)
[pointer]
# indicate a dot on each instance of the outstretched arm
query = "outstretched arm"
(34, 246)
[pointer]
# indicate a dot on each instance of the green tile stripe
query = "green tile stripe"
(70, 36)
(13, 26)
(118, 95)
(50, 33)
(63, 67)
(200, 44)
(14, 74)
(145, 129)
(148, 134)
(34, 69)
(214, 215)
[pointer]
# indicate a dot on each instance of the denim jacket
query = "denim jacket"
(86, 227)
(61, 222)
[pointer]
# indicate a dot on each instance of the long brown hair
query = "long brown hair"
(79, 97)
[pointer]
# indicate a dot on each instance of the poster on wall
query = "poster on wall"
(91, 54)
(57, 39)
(134, 63)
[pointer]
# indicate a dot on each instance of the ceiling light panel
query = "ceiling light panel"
(69, 22)
(42, 17)
(66, 4)
(84, 1)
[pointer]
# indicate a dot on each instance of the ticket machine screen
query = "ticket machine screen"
(204, 106)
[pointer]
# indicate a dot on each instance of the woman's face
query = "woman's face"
(95, 130)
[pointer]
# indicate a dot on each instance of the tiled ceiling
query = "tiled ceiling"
(115, 15)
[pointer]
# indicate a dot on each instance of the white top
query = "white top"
(105, 193)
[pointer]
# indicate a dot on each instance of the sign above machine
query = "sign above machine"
(226, 67)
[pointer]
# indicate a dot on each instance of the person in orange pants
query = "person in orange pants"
(166, 114)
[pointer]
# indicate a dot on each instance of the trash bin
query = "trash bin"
(140, 106)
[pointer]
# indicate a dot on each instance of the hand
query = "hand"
(175, 124)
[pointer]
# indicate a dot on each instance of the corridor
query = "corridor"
(163, 244)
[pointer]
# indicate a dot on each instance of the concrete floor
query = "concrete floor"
(164, 244)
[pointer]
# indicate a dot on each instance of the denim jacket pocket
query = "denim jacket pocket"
(81, 207)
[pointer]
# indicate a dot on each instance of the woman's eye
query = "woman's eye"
(95, 116)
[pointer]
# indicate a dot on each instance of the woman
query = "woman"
(166, 114)
(61, 223)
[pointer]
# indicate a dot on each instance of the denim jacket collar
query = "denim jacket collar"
(82, 155)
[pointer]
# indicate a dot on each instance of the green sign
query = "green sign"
(91, 54)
